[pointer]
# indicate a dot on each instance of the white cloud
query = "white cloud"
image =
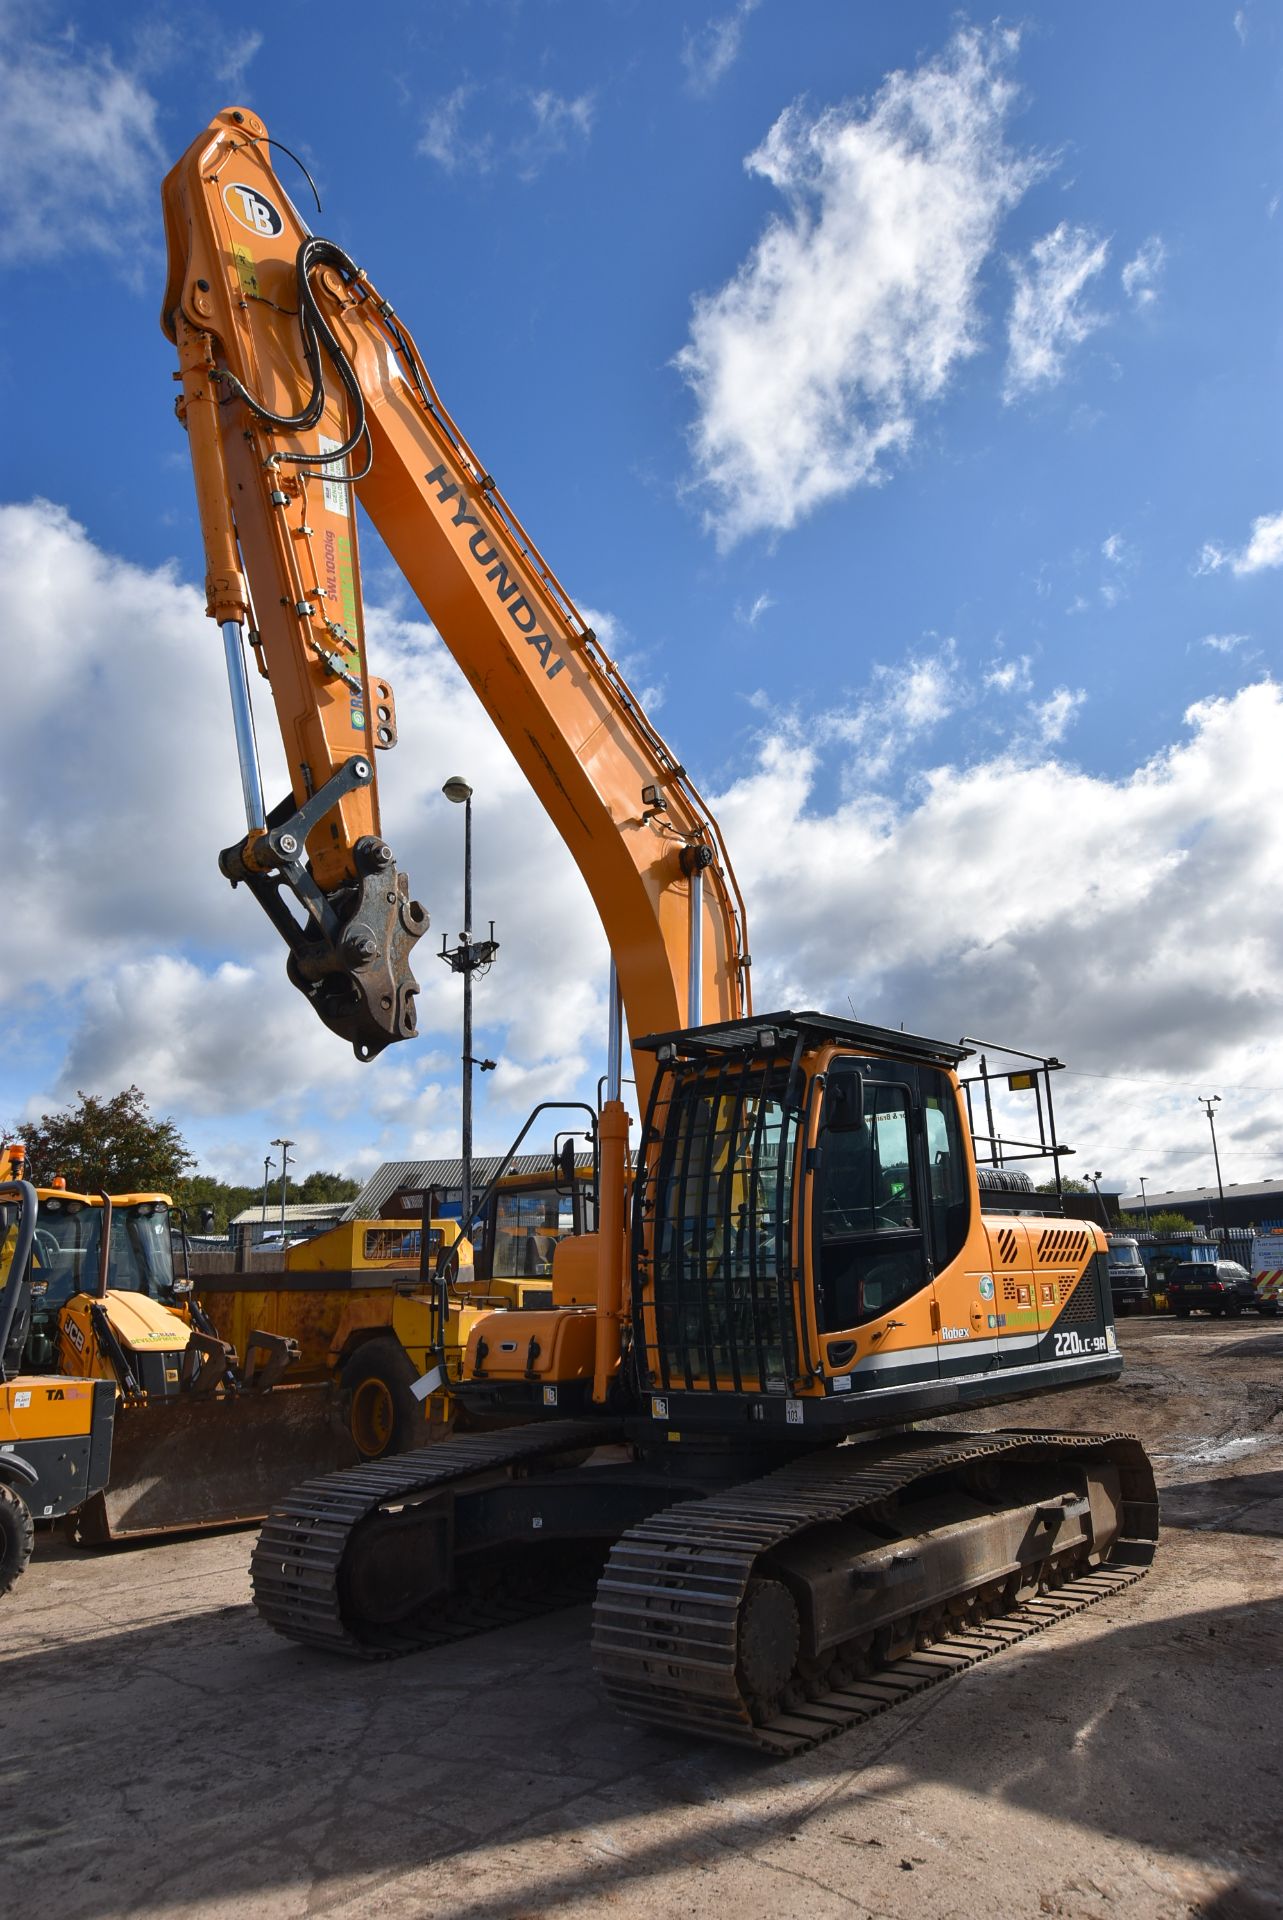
(1052, 717)
(456, 137)
(1225, 642)
(856, 308)
(1264, 549)
(1028, 900)
(237, 55)
(1114, 548)
(712, 51)
(443, 138)
(558, 119)
(1142, 271)
(1016, 892)
(904, 703)
(750, 615)
(1010, 676)
(1048, 316)
(120, 931)
(79, 151)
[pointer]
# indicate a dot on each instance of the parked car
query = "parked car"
(1220, 1287)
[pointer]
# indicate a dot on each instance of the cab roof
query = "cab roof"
(776, 1033)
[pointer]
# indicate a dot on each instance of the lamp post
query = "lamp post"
(1144, 1202)
(284, 1146)
(1095, 1179)
(1210, 1102)
(267, 1174)
(465, 959)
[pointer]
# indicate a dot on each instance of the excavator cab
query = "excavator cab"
(809, 1247)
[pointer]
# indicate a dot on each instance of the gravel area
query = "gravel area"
(164, 1754)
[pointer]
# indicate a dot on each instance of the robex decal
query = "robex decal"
(253, 209)
(506, 584)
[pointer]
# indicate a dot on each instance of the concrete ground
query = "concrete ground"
(162, 1753)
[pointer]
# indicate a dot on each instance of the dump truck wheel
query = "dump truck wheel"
(17, 1536)
(383, 1415)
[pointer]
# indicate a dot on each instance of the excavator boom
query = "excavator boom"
(301, 390)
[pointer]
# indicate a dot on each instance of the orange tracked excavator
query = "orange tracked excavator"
(801, 1253)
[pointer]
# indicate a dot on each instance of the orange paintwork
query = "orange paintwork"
(43, 1407)
(559, 701)
(551, 1345)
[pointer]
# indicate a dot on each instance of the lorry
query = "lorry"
(1128, 1277)
(796, 1255)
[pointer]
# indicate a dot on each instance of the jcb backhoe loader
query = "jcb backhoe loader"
(200, 1440)
(805, 1254)
(55, 1432)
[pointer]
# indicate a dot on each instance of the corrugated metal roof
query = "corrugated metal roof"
(394, 1175)
(1198, 1196)
(296, 1210)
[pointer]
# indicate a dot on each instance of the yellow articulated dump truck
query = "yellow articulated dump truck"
(361, 1301)
(202, 1437)
(360, 1307)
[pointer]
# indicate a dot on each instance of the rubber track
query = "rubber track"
(295, 1566)
(666, 1616)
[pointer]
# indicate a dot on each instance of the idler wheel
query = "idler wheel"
(768, 1640)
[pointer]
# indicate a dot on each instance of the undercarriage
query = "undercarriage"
(771, 1611)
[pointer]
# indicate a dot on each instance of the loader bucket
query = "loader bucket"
(218, 1461)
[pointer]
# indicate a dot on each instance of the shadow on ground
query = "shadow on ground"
(225, 1765)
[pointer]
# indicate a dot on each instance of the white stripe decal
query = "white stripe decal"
(919, 1356)
(1026, 1373)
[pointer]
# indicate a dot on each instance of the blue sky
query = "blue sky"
(899, 389)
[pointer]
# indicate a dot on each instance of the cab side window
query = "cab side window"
(871, 1254)
(948, 1185)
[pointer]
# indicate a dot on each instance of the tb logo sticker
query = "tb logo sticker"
(253, 210)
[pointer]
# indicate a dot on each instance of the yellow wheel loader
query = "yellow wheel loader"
(202, 1439)
(55, 1432)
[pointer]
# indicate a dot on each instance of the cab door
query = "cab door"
(873, 1273)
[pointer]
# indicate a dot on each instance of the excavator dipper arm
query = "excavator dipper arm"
(302, 388)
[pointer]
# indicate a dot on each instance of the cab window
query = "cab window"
(948, 1180)
(527, 1226)
(869, 1227)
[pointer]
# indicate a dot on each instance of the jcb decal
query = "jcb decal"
(76, 1336)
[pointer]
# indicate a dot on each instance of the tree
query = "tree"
(319, 1187)
(1067, 1185)
(1172, 1226)
(113, 1144)
(200, 1193)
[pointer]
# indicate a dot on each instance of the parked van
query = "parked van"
(1267, 1267)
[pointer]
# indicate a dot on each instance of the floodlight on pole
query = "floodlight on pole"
(284, 1146)
(465, 959)
(1210, 1102)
